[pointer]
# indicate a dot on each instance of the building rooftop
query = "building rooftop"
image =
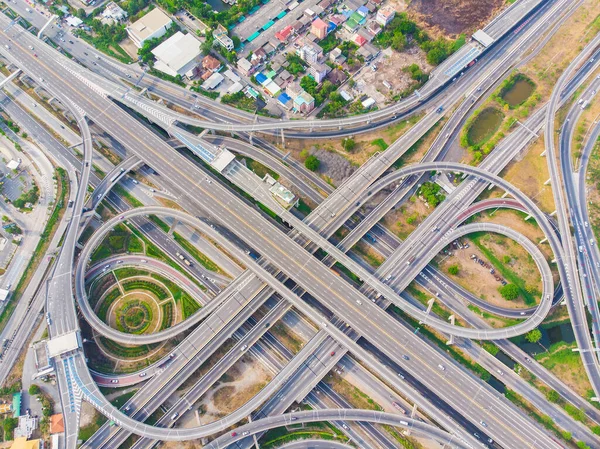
(62, 344)
(210, 63)
(57, 423)
(150, 23)
(213, 81)
(23, 443)
(177, 51)
(319, 24)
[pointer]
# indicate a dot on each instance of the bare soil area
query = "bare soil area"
(529, 229)
(389, 69)
(404, 220)
(242, 382)
(453, 17)
(477, 278)
(529, 172)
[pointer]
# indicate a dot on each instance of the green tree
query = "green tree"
(553, 396)
(533, 336)
(81, 13)
(596, 430)
(509, 292)
(398, 41)
(9, 425)
(453, 269)
(349, 144)
(312, 163)
(34, 390)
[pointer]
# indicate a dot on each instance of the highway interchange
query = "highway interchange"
(293, 259)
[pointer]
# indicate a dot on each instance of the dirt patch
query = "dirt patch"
(453, 17)
(389, 69)
(479, 280)
(404, 220)
(529, 229)
(528, 172)
(237, 386)
(333, 166)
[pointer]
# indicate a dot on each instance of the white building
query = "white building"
(221, 36)
(114, 11)
(385, 15)
(152, 25)
(178, 55)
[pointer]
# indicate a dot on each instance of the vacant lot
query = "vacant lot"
(529, 172)
(453, 17)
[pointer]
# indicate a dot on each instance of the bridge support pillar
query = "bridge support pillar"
(452, 319)
(429, 307)
(553, 213)
(251, 137)
(544, 240)
(282, 138)
(413, 413)
(254, 435)
(548, 182)
(505, 194)
(173, 226)
(527, 217)
(543, 153)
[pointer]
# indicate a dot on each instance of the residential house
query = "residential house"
(245, 67)
(114, 11)
(319, 71)
(285, 100)
(222, 37)
(285, 34)
(294, 89)
(337, 77)
(359, 40)
(336, 56)
(304, 102)
(310, 53)
(368, 51)
(385, 15)
(152, 25)
(319, 28)
(374, 27)
(353, 22)
(211, 64)
(363, 11)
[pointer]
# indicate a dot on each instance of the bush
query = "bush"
(312, 163)
(453, 269)
(554, 397)
(34, 390)
(575, 413)
(509, 292)
(349, 144)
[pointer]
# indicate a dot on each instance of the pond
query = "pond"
(485, 126)
(218, 5)
(550, 335)
(518, 92)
